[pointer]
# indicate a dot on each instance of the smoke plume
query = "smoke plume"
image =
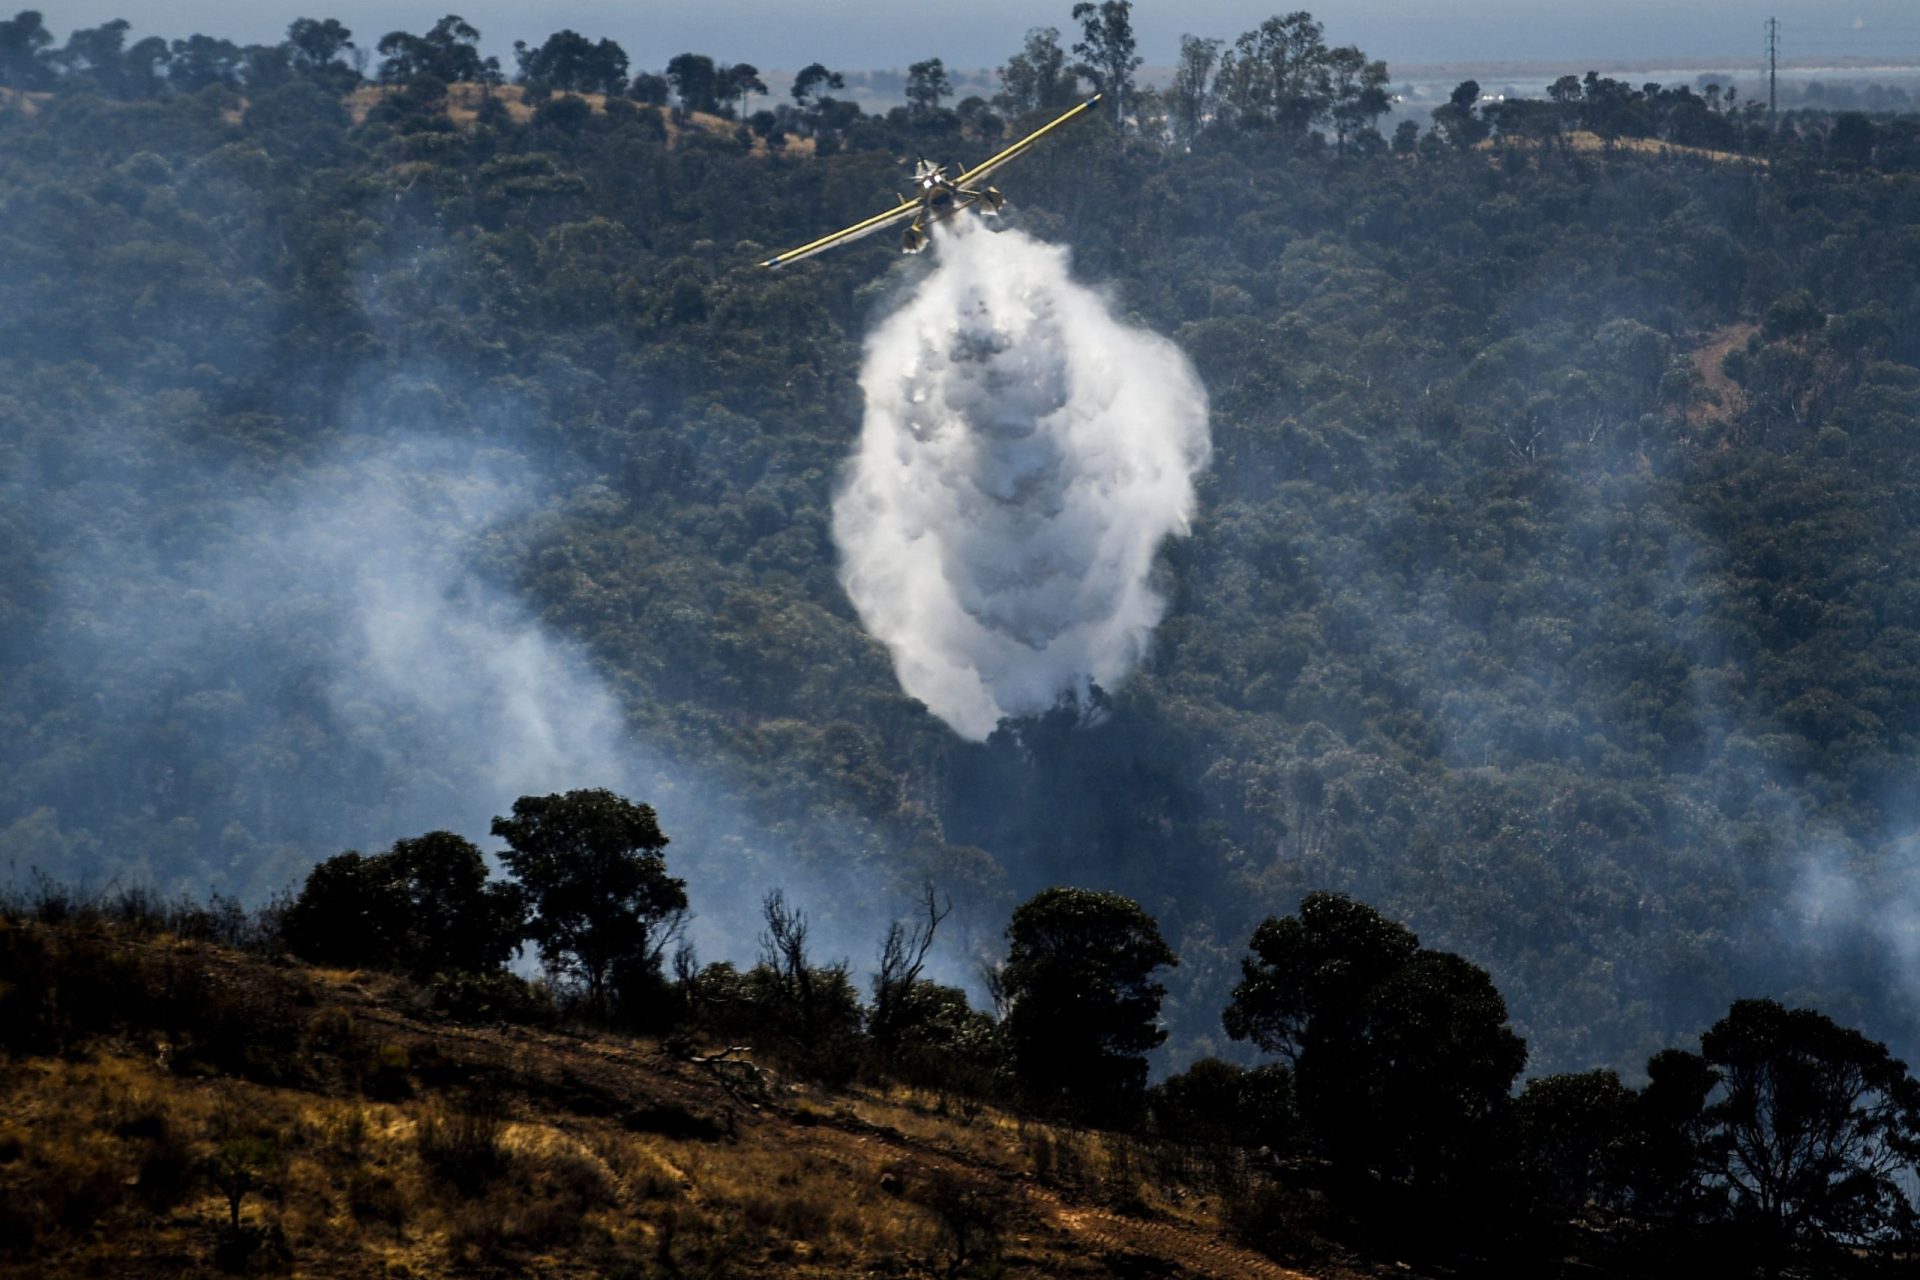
(1023, 456)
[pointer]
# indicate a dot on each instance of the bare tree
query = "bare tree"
(902, 957)
(811, 994)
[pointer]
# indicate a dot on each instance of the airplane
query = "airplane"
(940, 198)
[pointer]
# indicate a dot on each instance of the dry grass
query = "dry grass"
(1725, 398)
(383, 1140)
(1587, 140)
(463, 108)
(28, 104)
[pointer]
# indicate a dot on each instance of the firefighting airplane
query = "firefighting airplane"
(940, 198)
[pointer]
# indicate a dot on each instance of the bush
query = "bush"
(462, 1144)
(972, 1217)
(543, 1207)
(490, 998)
(386, 1074)
(1271, 1220)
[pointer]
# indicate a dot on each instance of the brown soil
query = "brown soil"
(1707, 358)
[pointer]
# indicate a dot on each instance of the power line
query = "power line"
(1773, 71)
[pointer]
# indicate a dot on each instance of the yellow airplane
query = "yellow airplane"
(940, 198)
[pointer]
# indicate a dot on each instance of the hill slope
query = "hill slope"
(367, 1134)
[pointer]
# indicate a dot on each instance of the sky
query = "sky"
(874, 34)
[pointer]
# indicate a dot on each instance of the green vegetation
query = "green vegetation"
(1082, 1005)
(603, 908)
(422, 907)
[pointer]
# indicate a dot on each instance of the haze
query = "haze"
(858, 34)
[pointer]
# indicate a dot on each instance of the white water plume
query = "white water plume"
(1024, 454)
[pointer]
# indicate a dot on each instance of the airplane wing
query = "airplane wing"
(980, 171)
(878, 221)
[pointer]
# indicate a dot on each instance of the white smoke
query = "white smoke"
(1023, 456)
(430, 656)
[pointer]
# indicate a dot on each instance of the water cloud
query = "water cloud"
(1023, 456)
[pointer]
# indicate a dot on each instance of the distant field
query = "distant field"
(1587, 140)
(27, 102)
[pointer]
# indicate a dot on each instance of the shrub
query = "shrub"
(462, 1144)
(972, 1219)
(385, 1076)
(489, 997)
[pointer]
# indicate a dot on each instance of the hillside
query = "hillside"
(369, 1136)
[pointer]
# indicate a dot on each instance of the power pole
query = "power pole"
(1773, 70)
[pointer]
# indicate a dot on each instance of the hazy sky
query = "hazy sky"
(865, 34)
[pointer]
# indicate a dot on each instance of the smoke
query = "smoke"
(1024, 453)
(429, 655)
(283, 662)
(323, 656)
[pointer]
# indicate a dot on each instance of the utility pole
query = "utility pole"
(1773, 71)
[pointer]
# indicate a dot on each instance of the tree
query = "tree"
(1037, 78)
(455, 919)
(1577, 1139)
(94, 56)
(319, 45)
(571, 62)
(1565, 95)
(1106, 49)
(423, 907)
(240, 1166)
(1302, 990)
(322, 50)
(903, 955)
(449, 52)
(812, 79)
(23, 37)
(1456, 120)
(976, 114)
(344, 915)
(604, 910)
(1190, 96)
(1276, 75)
(940, 1040)
(650, 88)
(695, 81)
(1810, 1124)
(199, 61)
(146, 69)
(1402, 1057)
(1850, 142)
(1082, 1005)
(1221, 1104)
(1359, 90)
(1670, 1130)
(927, 86)
(736, 82)
(813, 1006)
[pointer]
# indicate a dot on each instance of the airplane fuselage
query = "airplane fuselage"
(941, 198)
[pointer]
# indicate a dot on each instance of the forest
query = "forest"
(385, 434)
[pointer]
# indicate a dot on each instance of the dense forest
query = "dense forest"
(377, 448)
